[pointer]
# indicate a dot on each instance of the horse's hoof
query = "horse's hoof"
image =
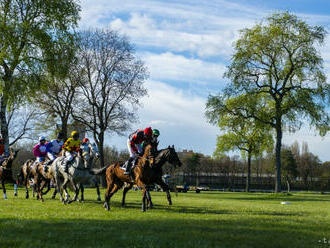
(15, 194)
(27, 197)
(99, 199)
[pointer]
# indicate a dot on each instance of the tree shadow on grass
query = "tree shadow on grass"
(150, 232)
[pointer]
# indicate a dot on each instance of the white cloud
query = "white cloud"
(205, 29)
(176, 67)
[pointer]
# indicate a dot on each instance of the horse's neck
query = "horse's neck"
(7, 164)
(161, 158)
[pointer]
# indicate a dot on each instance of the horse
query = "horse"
(78, 173)
(143, 175)
(30, 171)
(155, 174)
(6, 173)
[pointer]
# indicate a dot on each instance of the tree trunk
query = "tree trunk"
(288, 184)
(64, 128)
(4, 124)
(278, 155)
(101, 151)
(248, 176)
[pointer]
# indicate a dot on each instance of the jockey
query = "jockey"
(39, 150)
(71, 146)
(85, 143)
(134, 145)
(155, 134)
(54, 147)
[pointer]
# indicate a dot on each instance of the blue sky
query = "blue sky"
(186, 46)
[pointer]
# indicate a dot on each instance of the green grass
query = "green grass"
(208, 219)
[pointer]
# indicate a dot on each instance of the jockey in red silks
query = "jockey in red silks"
(134, 145)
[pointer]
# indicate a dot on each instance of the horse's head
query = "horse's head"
(94, 151)
(89, 152)
(173, 157)
(9, 160)
(168, 155)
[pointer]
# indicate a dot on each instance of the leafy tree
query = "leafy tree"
(246, 135)
(289, 166)
(278, 70)
(35, 35)
(110, 84)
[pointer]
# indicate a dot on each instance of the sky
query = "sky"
(186, 46)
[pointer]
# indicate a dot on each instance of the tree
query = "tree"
(56, 101)
(20, 121)
(32, 37)
(289, 166)
(110, 83)
(278, 70)
(248, 136)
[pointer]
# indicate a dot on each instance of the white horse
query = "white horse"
(78, 173)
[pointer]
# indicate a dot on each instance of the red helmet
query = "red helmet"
(148, 132)
(85, 140)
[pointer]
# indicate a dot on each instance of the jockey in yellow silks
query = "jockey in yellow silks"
(71, 147)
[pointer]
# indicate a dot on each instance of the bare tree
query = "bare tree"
(110, 84)
(56, 101)
(20, 120)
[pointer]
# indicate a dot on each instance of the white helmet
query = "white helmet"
(42, 138)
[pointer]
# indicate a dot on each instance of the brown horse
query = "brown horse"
(154, 175)
(42, 179)
(6, 173)
(145, 173)
(116, 178)
(29, 171)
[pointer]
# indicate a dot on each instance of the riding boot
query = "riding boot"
(128, 166)
(66, 169)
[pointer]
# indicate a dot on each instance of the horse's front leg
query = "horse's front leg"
(15, 188)
(165, 188)
(4, 189)
(26, 181)
(48, 186)
(82, 190)
(126, 189)
(144, 198)
(150, 205)
(76, 191)
(98, 191)
(59, 186)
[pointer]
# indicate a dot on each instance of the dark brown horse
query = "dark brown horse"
(155, 174)
(6, 174)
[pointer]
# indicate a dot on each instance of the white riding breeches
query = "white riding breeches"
(68, 156)
(51, 156)
(131, 151)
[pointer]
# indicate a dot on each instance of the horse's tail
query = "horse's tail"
(20, 175)
(99, 171)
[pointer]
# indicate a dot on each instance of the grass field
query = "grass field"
(208, 219)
